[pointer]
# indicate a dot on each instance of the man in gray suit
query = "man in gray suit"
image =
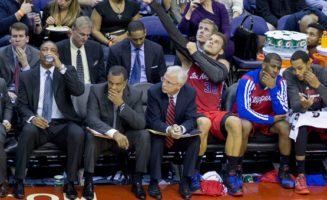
(5, 117)
(143, 59)
(115, 109)
(16, 57)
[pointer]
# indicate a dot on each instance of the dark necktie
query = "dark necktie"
(17, 72)
(170, 120)
(79, 63)
(47, 98)
(136, 71)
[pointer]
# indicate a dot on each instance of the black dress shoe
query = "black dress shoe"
(185, 191)
(18, 190)
(154, 191)
(4, 189)
(70, 191)
(88, 192)
(138, 190)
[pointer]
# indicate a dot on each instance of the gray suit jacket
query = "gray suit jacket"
(5, 102)
(7, 64)
(155, 65)
(100, 115)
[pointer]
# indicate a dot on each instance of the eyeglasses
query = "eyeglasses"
(167, 82)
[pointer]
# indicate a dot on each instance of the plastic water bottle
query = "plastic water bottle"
(324, 40)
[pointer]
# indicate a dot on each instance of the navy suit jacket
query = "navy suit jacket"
(155, 66)
(94, 56)
(185, 108)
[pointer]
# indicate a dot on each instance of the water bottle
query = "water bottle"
(324, 40)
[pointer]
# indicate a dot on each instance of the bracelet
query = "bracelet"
(187, 18)
(20, 13)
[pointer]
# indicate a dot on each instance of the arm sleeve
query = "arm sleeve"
(216, 71)
(263, 10)
(75, 87)
(100, 68)
(23, 107)
(322, 89)
(243, 99)
(8, 107)
(278, 97)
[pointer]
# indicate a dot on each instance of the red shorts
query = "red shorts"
(263, 128)
(322, 132)
(217, 118)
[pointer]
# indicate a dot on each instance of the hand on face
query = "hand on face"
(268, 80)
(21, 56)
(116, 97)
(311, 79)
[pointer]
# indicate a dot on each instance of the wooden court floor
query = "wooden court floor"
(253, 191)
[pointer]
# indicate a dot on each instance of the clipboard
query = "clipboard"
(193, 133)
(97, 134)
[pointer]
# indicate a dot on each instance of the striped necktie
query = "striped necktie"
(79, 66)
(170, 120)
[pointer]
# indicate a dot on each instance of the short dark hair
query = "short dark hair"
(317, 26)
(135, 26)
(272, 56)
(222, 36)
(19, 26)
(117, 70)
(300, 55)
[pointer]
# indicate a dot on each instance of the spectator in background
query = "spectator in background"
(234, 7)
(12, 11)
(111, 18)
(175, 8)
(198, 10)
(17, 57)
(60, 13)
(320, 4)
(299, 21)
(272, 10)
(84, 54)
(314, 32)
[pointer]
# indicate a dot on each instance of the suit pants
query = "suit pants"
(190, 145)
(139, 140)
(3, 157)
(67, 135)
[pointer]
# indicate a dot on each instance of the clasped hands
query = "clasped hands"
(175, 131)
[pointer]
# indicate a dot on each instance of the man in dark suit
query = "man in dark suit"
(143, 59)
(162, 115)
(85, 55)
(17, 57)
(5, 117)
(45, 107)
(115, 109)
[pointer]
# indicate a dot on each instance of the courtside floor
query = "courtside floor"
(253, 191)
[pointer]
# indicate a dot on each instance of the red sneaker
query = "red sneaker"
(301, 185)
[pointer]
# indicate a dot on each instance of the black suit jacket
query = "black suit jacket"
(64, 85)
(100, 110)
(7, 65)
(155, 66)
(185, 108)
(5, 102)
(94, 54)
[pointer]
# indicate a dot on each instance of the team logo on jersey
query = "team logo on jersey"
(260, 99)
(202, 76)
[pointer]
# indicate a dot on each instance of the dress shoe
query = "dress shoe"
(4, 189)
(88, 192)
(184, 189)
(18, 190)
(138, 190)
(70, 191)
(154, 191)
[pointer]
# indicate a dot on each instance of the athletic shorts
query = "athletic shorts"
(218, 120)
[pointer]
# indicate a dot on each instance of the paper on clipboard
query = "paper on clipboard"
(97, 134)
(194, 132)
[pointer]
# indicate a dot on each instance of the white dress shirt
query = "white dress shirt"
(73, 50)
